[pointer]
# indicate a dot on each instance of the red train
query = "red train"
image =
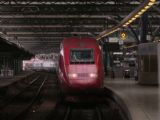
(80, 67)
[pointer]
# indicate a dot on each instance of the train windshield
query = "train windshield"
(81, 56)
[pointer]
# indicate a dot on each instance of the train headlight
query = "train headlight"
(93, 75)
(73, 75)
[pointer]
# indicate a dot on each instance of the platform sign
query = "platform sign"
(121, 42)
(113, 39)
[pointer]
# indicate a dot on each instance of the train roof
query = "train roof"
(79, 41)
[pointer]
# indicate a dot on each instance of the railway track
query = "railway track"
(41, 100)
(19, 106)
(106, 109)
(22, 114)
(11, 98)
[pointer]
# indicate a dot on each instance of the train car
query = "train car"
(80, 67)
(49, 65)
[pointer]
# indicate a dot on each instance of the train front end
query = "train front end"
(83, 63)
(82, 71)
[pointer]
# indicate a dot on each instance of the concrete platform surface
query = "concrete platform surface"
(143, 102)
(7, 81)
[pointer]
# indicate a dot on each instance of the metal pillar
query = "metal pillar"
(144, 28)
(106, 57)
(1, 63)
(15, 66)
(19, 65)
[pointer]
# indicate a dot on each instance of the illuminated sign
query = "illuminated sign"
(123, 35)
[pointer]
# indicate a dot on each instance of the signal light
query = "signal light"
(123, 35)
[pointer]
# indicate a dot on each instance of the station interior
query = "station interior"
(128, 35)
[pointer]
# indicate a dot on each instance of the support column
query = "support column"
(106, 57)
(144, 28)
(1, 63)
(15, 66)
(19, 65)
(12, 65)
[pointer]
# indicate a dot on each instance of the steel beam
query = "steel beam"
(51, 26)
(62, 2)
(46, 33)
(15, 16)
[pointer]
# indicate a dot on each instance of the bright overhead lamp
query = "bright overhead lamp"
(129, 19)
(147, 7)
(136, 16)
(150, 3)
(127, 23)
(143, 10)
(140, 13)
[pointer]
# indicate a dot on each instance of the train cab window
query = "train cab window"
(81, 56)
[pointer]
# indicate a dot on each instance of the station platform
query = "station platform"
(7, 81)
(143, 102)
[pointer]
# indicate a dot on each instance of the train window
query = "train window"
(81, 56)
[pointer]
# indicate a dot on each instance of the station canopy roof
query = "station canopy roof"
(40, 25)
(11, 49)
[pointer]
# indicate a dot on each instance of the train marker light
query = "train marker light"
(93, 75)
(73, 75)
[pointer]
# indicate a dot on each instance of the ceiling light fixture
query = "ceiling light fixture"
(128, 19)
